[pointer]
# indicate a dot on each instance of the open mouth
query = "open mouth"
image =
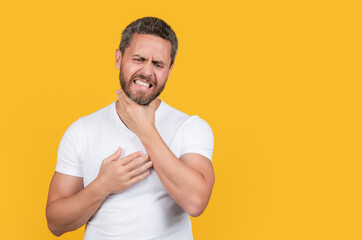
(143, 84)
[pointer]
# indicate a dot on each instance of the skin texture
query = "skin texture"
(146, 60)
(70, 206)
(188, 180)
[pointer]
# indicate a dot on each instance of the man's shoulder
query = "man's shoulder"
(169, 111)
(171, 114)
(98, 115)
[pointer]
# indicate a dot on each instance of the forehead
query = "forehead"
(148, 45)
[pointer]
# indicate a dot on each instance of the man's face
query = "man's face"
(144, 67)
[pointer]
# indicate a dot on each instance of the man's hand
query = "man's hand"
(70, 205)
(139, 119)
(188, 180)
(116, 175)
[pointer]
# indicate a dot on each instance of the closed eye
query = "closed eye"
(139, 59)
(159, 65)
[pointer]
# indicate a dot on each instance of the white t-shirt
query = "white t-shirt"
(145, 210)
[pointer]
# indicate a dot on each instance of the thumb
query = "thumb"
(122, 97)
(153, 104)
(120, 93)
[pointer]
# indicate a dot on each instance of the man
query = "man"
(138, 168)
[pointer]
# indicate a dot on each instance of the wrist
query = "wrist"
(148, 134)
(97, 188)
(149, 138)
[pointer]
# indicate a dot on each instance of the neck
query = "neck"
(155, 104)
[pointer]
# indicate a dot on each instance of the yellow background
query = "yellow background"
(278, 81)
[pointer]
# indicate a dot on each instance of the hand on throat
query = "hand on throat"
(139, 119)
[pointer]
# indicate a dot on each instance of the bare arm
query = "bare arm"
(70, 206)
(189, 180)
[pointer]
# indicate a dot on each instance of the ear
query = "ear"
(169, 71)
(118, 59)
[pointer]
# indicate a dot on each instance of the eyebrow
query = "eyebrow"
(154, 62)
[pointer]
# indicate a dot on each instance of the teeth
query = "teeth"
(147, 85)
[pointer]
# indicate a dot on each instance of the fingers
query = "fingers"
(135, 167)
(121, 95)
(115, 155)
(119, 92)
(137, 162)
(139, 178)
(137, 171)
(129, 158)
(123, 98)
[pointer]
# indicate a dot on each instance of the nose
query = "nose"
(147, 69)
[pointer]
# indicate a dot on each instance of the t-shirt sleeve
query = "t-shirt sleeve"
(198, 137)
(68, 159)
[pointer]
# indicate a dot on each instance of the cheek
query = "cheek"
(161, 78)
(129, 70)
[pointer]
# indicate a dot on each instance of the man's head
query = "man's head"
(152, 26)
(145, 58)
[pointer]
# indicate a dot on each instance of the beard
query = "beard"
(140, 97)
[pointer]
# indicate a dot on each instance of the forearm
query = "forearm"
(184, 184)
(68, 214)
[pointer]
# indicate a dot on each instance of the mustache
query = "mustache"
(143, 77)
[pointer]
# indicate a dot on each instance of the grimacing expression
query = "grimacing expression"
(140, 97)
(144, 67)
